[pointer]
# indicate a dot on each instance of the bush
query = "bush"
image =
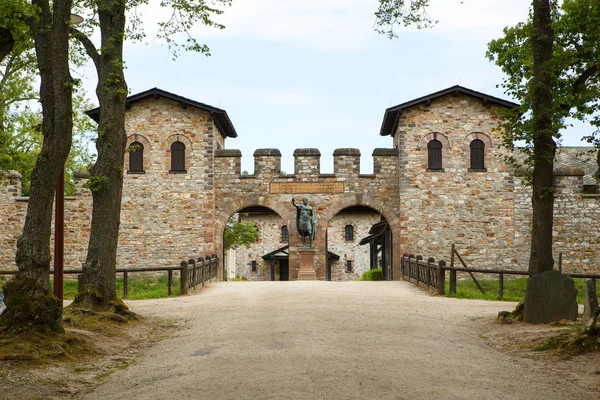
(371, 275)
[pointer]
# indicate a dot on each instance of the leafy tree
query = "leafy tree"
(98, 285)
(29, 302)
(576, 67)
(553, 68)
(238, 233)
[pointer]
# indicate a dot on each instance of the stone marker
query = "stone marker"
(550, 297)
(590, 303)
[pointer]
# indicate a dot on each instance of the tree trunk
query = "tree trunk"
(29, 302)
(98, 287)
(6, 43)
(544, 147)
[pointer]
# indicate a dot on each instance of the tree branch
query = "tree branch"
(579, 84)
(87, 44)
(6, 43)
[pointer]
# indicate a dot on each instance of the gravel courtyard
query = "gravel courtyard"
(328, 340)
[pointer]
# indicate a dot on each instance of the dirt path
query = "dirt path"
(325, 340)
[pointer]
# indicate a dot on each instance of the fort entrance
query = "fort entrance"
(344, 192)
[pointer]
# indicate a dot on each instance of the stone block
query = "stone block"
(551, 296)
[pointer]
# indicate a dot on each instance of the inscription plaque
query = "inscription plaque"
(306, 187)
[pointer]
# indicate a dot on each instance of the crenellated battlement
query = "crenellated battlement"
(307, 163)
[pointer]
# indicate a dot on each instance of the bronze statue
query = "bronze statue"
(306, 221)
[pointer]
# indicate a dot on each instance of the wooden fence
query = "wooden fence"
(193, 273)
(432, 275)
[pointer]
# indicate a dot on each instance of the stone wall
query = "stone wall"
(166, 217)
(13, 209)
(474, 209)
(269, 230)
(350, 250)
(576, 231)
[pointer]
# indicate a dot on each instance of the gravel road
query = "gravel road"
(329, 340)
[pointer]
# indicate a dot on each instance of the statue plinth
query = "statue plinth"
(307, 264)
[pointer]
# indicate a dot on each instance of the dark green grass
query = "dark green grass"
(514, 289)
(140, 286)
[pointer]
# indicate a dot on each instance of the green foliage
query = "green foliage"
(402, 12)
(514, 289)
(239, 234)
(371, 275)
(21, 135)
(175, 29)
(576, 67)
(95, 183)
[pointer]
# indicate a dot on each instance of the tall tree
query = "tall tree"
(29, 302)
(529, 57)
(98, 286)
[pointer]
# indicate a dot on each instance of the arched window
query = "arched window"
(477, 154)
(434, 155)
(349, 233)
(285, 237)
(136, 157)
(178, 157)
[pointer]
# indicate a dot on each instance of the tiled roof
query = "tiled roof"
(575, 157)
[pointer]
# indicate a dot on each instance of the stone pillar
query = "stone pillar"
(307, 265)
(267, 162)
(307, 163)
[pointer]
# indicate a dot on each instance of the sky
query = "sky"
(314, 73)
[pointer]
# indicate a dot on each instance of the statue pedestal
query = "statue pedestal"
(307, 265)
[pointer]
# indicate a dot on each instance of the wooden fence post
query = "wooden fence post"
(410, 267)
(403, 265)
(208, 261)
(560, 262)
(430, 261)
(170, 282)
(441, 277)
(201, 270)
(419, 258)
(184, 278)
(192, 262)
(452, 282)
(125, 285)
(501, 284)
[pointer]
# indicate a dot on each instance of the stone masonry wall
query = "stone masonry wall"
(474, 209)
(269, 229)
(13, 209)
(350, 250)
(166, 217)
(576, 230)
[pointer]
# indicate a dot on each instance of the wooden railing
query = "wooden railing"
(193, 273)
(428, 274)
(432, 275)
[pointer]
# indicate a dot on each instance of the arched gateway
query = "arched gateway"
(328, 193)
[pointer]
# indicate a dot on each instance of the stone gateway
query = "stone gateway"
(442, 181)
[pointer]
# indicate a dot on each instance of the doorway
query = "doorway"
(284, 269)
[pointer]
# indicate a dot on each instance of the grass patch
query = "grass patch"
(238, 279)
(514, 289)
(550, 344)
(371, 275)
(140, 286)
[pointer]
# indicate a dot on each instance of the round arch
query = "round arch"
(166, 149)
(434, 136)
(466, 149)
(363, 199)
(248, 201)
(146, 152)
